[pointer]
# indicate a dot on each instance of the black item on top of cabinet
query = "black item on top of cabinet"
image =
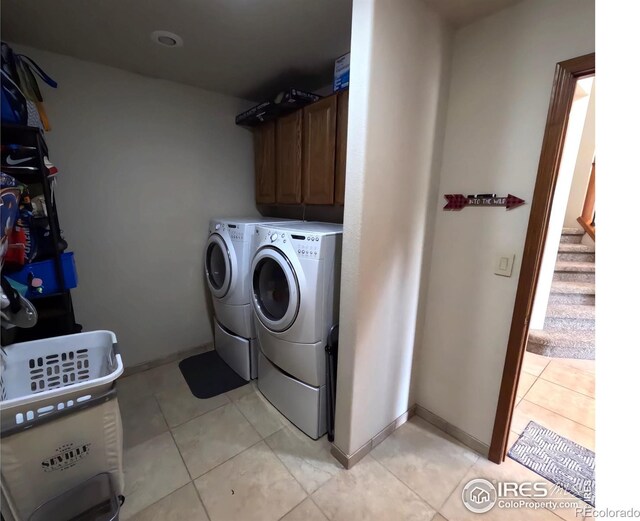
(284, 102)
(55, 311)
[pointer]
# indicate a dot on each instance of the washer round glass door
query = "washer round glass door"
(276, 293)
(218, 266)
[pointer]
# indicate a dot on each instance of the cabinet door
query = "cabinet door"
(289, 159)
(319, 151)
(264, 145)
(341, 144)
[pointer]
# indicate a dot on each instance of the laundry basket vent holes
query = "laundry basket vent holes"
(58, 370)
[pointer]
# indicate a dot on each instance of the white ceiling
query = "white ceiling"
(246, 48)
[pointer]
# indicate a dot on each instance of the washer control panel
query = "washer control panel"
(304, 246)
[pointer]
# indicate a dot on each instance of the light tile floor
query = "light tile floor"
(557, 393)
(234, 457)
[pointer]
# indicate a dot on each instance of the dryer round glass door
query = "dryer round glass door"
(276, 293)
(218, 266)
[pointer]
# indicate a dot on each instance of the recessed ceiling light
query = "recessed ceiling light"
(166, 39)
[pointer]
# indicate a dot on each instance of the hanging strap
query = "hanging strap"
(28, 82)
(38, 70)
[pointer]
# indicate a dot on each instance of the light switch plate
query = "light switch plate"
(504, 265)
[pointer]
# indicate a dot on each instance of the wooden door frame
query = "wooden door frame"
(567, 75)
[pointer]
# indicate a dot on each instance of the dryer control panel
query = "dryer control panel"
(265, 236)
(307, 246)
(236, 235)
(235, 232)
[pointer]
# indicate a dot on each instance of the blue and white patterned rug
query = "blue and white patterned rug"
(561, 461)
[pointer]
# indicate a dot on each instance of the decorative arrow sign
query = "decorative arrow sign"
(457, 202)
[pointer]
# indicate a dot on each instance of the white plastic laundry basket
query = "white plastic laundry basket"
(46, 376)
(60, 422)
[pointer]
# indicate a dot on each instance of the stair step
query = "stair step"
(576, 248)
(577, 266)
(570, 239)
(576, 252)
(572, 231)
(575, 271)
(572, 344)
(572, 292)
(567, 317)
(571, 235)
(582, 288)
(571, 311)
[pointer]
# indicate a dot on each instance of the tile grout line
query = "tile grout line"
(228, 459)
(192, 479)
(316, 504)
(194, 417)
(295, 506)
(155, 399)
(547, 409)
(152, 394)
(405, 484)
(528, 390)
(560, 385)
(564, 387)
(287, 469)
(477, 457)
(166, 496)
(166, 422)
(307, 494)
(264, 440)
(561, 415)
(222, 462)
(251, 424)
(456, 487)
(206, 512)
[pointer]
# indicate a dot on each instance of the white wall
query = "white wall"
(569, 166)
(582, 172)
(398, 51)
(144, 164)
(502, 74)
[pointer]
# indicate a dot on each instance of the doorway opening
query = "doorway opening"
(556, 388)
(551, 350)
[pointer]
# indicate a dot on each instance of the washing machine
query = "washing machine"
(295, 297)
(227, 267)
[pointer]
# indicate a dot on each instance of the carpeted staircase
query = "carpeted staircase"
(569, 326)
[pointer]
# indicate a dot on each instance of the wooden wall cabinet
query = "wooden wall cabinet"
(289, 159)
(319, 151)
(341, 145)
(264, 147)
(300, 158)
